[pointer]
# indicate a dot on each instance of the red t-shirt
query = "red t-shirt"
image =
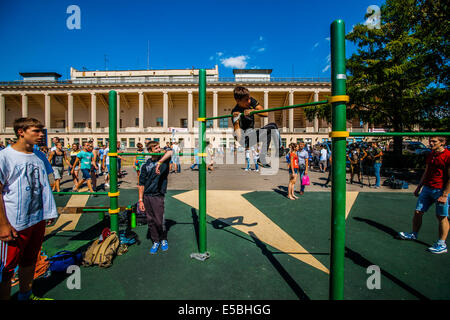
(438, 164)
(294, 160)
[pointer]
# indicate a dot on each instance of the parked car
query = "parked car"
(412, 147)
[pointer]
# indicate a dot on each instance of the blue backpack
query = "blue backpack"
(63, 259)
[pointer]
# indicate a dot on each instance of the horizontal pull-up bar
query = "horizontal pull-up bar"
(153, 154)
(404, 134)
(82, 193)
(308, 104)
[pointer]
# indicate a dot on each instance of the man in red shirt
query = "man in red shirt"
(436, 188)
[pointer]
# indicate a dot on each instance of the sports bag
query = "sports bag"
(64, 259)
(102, 253)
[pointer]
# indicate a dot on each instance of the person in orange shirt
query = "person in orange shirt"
(293, 170)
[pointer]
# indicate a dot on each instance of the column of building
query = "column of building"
(2, 113)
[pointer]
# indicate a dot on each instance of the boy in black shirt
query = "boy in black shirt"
(152, 188)
(244, 125)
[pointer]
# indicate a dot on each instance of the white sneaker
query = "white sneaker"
(107, 185)
(246, 169)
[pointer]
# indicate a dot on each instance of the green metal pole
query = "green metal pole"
(202, 169)
(113, 200)
(338, 169)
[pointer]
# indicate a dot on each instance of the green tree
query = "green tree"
(398, 76)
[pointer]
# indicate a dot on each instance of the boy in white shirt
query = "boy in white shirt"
(26, 203)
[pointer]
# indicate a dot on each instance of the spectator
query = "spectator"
(247, 159)
(85, 158)
(356, 156)
(196, 160)
(176, 158)
(27, 206)
(57, 159)
(73, 156)
(303, 156)
(255, 155)
(210, 153)
(436, 189)
(293, 170)
(323, 159)
(376, 155)
(152, 189)
(139, 160)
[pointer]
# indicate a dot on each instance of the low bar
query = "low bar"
(405, 134)
(82, 193)
(152, 154)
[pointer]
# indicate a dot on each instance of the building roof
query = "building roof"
(40, 74)
(252, 71)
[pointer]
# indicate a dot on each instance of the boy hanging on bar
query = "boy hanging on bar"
(26, 207)
(152, 189)
(244, 125)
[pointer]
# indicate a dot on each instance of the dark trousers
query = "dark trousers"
(154, 210)
(265, 138)
(93, 173)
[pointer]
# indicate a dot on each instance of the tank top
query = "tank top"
(139, 158)
(73, 156)
(57, 159)
(294, 160)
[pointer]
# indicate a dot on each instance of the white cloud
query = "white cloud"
(327, 38)
(326, 68)
(261, 38)
(238, 62)
(211, 58)
(219, 54)
(328, 58)
(261, 49)
(316, 45)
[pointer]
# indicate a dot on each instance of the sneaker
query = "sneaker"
(438, 248)
(164, 245)
(246, 169)
(154, 247)
(107, 185)
(407, 236)
(33, 297)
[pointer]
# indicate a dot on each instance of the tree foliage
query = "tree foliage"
(399, 76)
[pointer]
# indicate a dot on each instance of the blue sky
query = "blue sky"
(287, 36)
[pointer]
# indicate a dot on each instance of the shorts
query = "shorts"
(86, 174)
(22, 251)
(58, 172)
(295, 171)
(427, 197)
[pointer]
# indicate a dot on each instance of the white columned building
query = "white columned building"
(24, 105)
(69, 112)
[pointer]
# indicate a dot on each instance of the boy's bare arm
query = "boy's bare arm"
(7, 232)
(262, 114)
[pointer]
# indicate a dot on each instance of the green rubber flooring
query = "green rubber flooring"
(242, 267)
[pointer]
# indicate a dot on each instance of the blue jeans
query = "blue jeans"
(377, 167)
(301, 173)
(256, 164)
(427, 197)
(248, 163)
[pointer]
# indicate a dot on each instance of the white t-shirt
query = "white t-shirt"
(302, 156)
(323, 154)
(255, 154)
(105, 155)
(27, 194)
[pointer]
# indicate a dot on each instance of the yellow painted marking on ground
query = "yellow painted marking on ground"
(229, 205)
(77, 201)
(351, 198)
(67, 221)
